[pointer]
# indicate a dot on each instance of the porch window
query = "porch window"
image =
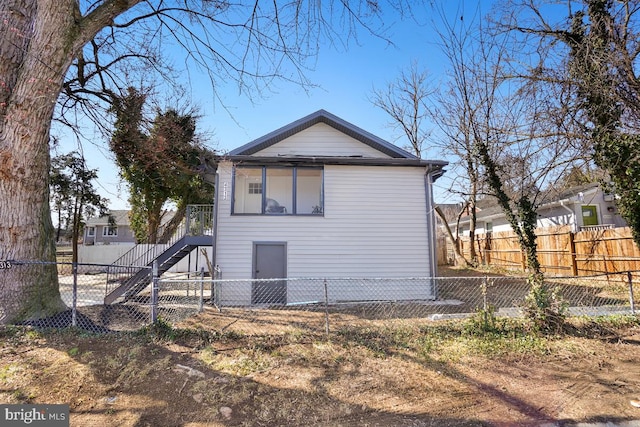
(309, 191)
(91, 231)
(278, 190)
(109, 231)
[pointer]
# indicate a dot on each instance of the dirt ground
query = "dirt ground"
(435, 375)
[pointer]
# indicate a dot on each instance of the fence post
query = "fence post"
(201, 302)
(74, 304)
(215, 288)
(483, 290)
(154, 292)
(631, 301)
(573, 255)
(326, 308)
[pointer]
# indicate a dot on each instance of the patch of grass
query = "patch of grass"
(378, 342)
(10, 331)
(500, 337)
(499, 345)
(161, 329)
(618, 320)
(22, 396)
(9, 371)
(15, 333)
(483, 322)
(196, 337)
(240, 362)
(382, 341)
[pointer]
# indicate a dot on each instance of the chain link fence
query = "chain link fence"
(83, 288)
(315, 305)
(309, 305)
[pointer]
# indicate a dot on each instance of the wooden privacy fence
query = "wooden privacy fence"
(561, 251)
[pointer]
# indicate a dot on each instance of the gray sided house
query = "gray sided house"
(100, 231)
(585, 207)
(322, 198)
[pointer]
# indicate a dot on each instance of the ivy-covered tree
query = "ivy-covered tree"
(501, 118)
(159, 166)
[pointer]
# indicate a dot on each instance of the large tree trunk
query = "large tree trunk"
(170, 227)
(34, 58)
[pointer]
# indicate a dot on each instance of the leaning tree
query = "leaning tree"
(66, 56)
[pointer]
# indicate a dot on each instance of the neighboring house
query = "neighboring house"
(105, 241)
(322, 198)
(102, 231)
(581, 208)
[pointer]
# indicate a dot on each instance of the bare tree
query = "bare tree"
(405, 101)
(74, 52)
(508, 136)
(499, 124)
(454, 114)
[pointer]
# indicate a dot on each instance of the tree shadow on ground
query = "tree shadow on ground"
(523, 408)
(128, 380)
(97, 318)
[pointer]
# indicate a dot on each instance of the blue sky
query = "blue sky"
(346, 79)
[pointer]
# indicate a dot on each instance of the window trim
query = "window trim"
(106, 228)
(256, 189)
(294, 185)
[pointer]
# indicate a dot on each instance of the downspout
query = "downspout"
(574, 225)
(431, 228)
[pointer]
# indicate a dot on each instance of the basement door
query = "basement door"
(269, 262)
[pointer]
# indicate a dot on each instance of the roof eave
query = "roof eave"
(330, 160)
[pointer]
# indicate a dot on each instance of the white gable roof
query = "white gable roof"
(322, 134)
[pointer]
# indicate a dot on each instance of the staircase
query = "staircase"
(131, 273)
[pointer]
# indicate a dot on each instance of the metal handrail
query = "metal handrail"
(198, 221)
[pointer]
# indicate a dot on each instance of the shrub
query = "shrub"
(544, 308)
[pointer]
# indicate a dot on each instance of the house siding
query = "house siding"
(374, 226)
(321, 140)
(125, 235)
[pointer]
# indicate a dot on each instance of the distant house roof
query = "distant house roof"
(488, 207)
(569, 193)
(121, 217)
